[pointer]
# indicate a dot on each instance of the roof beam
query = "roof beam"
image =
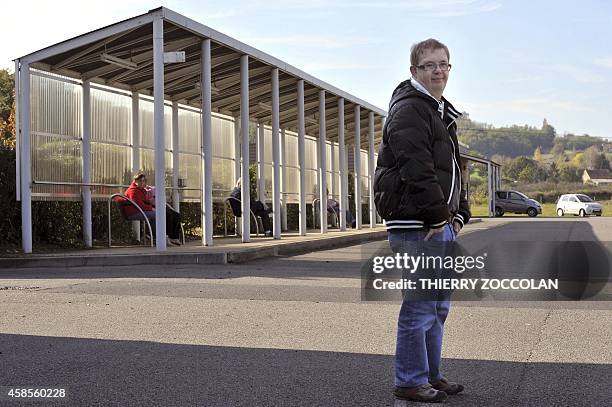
(193, 67)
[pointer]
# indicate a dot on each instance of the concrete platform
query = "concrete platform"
(225, 250)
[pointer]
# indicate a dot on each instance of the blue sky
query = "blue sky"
(514, 62)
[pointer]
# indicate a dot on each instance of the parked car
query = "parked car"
(578, 204)
(516, 202)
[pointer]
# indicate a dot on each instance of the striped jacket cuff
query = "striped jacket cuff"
(459, 218)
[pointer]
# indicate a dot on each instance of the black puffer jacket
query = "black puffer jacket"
(417, 183)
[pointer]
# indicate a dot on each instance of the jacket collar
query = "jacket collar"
(447, 111)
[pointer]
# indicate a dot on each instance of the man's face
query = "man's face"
(433, 80)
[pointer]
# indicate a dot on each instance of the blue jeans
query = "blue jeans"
(420, 325)
(138, 216)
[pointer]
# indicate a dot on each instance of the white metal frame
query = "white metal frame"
(156, 18)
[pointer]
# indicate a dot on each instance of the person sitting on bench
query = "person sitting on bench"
(139, 192)
(333, 206)
(258, 208)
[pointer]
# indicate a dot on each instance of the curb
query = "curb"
(242, 255)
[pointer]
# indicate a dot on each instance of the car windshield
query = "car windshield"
(584, 198)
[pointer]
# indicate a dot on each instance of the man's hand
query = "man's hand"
(456, 227)
(433, 231)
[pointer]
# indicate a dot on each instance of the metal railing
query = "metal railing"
(226, 201)
(111, 200)
(315, 205)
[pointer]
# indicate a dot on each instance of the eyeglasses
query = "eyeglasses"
(431, 66)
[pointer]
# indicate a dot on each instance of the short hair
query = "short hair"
(139, 175)
(418, 49)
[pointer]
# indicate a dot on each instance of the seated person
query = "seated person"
(144, 197)
(334, 207)
(258, 208)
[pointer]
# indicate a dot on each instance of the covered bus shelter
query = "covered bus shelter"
(163, 93)
(176, 99)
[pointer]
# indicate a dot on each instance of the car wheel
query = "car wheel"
(499, 211)
(559, 212)
(532, 212)
(582, 213)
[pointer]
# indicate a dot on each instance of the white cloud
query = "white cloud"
(606, 62)
(577, 73)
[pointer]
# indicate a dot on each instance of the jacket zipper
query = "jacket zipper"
(454, 163)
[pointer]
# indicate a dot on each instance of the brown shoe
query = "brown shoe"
(424, 392)
(447, 387)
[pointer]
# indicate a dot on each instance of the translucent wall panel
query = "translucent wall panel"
(147, 165)
(291, 155)
(365, 192)
(223, 156)
(268, 170)
(268, 163)
(292, 184)
(223, 177)
(57, 159)
(190, 177)
(56, 131)
(310, 149)
(223, 138)
(111, 164)
(55, 106)
(147, 138)
(190, 133)
(312, 190)
(111, 118)
(336, 173)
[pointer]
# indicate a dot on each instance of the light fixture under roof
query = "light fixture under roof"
(123, 63)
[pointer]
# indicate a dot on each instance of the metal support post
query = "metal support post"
(244, 130)
(207, 159)
(301, 155)
(158, 126)
(343, 166)
(86, 132)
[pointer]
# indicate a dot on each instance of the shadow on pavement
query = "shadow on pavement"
(132, 373)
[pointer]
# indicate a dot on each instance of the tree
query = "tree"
(528, 174)
(537, 154)
(7, 130)
(7, 86)
(578, 161)
(558, 148)
(601, 162)
(7, 109)
(553, 172)
(569, 173)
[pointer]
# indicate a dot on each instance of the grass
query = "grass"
(548, 210)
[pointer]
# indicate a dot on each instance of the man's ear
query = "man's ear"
(413, 71)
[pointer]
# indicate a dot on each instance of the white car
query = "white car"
(578, 204)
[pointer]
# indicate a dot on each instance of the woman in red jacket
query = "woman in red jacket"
(137, 192)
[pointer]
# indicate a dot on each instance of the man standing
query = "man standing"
(419, 194)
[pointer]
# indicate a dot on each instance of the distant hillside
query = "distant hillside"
(517, 141)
